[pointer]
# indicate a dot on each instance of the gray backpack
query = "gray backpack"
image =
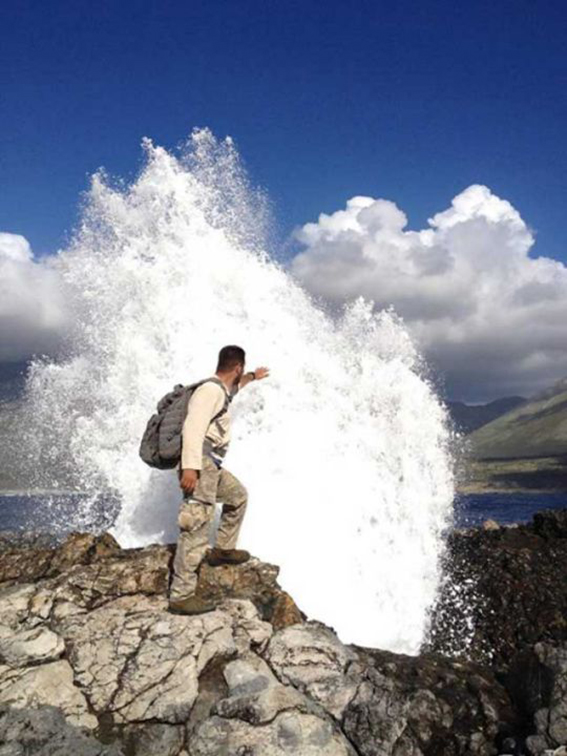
(161, 442)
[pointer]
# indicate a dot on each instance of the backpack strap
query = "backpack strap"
(227, 397)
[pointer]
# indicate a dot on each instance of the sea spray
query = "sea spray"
(343, 449)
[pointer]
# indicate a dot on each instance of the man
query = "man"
(205, 440)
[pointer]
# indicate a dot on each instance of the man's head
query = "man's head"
(231, 361)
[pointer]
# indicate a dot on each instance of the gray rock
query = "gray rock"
(424, 705)
(47, 684)
(289, 733)
(87, 629)
(128, 573)
(249, 630)
(261, 715)
(312, 658)
(137, 661)
(43, 731)
(82, 587)
(15, 603)
(30, 647)
(255, 694)
(551, 720)
(154, 739)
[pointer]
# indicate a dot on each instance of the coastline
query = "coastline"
(537, 475)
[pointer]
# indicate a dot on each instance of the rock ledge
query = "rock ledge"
(93, 664)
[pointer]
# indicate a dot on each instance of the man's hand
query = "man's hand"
(253, 375)
(188, 480)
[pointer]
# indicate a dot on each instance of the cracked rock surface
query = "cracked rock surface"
(138, 662)
(92, 663)
(312, 658)
(261, 715)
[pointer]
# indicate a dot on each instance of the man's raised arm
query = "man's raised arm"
(253, 375)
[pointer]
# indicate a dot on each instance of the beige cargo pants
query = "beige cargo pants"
(196, 514)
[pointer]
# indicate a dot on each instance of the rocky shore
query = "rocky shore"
(93, 664)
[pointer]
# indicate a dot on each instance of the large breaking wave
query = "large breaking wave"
(344, 449)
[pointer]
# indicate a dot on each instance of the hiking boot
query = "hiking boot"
(191, 605)
(216, 556)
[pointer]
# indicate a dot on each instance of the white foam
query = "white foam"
(344, 449)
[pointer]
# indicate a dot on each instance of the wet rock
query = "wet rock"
(87, 571)
(551, 523)
(538, 680)
(425, 705)
(83, 548)
(82, 587)
(504, 591)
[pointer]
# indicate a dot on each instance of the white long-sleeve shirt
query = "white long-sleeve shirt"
(200, 431)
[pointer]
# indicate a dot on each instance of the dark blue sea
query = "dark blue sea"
(474, 509)
(62, 513)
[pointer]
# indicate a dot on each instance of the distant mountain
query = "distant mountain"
(468, 417)
(537, 428)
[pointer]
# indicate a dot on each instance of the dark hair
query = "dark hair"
(230, 357)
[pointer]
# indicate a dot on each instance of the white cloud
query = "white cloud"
(31, 308)
(493, 319)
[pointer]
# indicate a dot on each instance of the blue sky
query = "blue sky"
(409, 101)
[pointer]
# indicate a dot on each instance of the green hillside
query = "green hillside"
(536, 429)
(523, 450)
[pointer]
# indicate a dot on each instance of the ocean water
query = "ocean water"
(506, 508)
(345, 449)
(57, 514)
